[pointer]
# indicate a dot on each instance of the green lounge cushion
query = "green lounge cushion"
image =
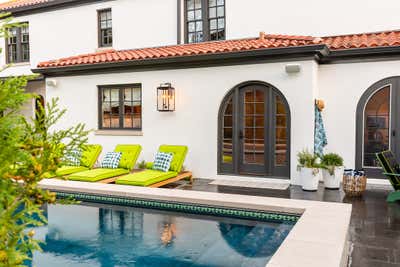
(67, 170)
(130, 154)
(97, 174)
(179, 155)
(145, 178)
(90, 154)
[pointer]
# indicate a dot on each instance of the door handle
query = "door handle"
(393, 133)
(241, 134)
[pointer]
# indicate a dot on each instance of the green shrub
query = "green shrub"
(142, 164)
(307, 159)
(330, 161)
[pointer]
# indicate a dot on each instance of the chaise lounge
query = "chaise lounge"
(90, 153)
(156, 178)
(391, 169)
(129, 156)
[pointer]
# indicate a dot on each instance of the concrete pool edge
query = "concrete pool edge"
(319, 238)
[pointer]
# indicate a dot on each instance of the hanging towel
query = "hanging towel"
(320, 140)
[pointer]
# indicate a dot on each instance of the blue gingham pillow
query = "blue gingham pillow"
(111, 160)
(73, 157)
(162, 162)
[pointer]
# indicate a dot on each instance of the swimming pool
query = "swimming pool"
(109, 235)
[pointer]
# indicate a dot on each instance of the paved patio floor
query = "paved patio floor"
(375, 224)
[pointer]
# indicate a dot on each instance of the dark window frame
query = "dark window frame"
(121, 87)
(394, 83)
(101, 44)
(205, 19)
(18, 45)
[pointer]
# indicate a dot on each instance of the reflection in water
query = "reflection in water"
(90, 236)
(255, 241)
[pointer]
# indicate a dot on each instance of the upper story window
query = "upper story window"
(204, 20)
(120, 107)
(105, 28)
(17, 44)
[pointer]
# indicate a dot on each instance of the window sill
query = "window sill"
(19, 64)
(119, 132)
(104, 48)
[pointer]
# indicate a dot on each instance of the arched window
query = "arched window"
(254, 127)
(377, 113)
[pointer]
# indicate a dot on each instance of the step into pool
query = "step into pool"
(105, 235)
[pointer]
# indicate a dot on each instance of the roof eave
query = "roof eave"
(315, 52)
(357, 54)
(47, 6)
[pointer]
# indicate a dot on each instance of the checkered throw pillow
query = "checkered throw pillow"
(162, 161)
(111, 160)
(73, 157)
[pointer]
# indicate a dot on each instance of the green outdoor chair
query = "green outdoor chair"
(155, 178)
(90, 154)
(391, 169)
(130, 154)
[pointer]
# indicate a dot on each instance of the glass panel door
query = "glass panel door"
(252, 130)
(376, 126)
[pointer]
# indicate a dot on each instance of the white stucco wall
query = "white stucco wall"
(199, 93)
(145, 23)
(72, 31)
(310, 17)
(341, 86)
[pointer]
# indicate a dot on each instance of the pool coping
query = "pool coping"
(319, 238)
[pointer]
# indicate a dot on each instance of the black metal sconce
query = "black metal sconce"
(165, 97)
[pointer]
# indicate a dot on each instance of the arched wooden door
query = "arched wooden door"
(377, 124)
(254, 127)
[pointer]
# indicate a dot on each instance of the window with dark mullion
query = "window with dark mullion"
(120, 107)
(205, 20)
(17, 44)
(216, 15)
(105, 28)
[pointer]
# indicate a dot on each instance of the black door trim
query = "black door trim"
(233, 169)
(394, 81)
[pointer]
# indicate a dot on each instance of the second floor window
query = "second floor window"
(17, 44)
(205, 20)
(105, 28)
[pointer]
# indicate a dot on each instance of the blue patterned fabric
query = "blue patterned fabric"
(111, 160)
(320, 140)
(73, 157)
(162, 162)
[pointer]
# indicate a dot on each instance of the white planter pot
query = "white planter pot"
(309, 179)
(333, 181)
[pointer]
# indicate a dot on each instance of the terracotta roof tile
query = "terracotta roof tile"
(363, 40)
(265, 41)
(20, 3)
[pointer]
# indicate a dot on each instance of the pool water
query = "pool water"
(107, 236)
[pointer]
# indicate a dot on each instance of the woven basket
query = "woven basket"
(354, 186)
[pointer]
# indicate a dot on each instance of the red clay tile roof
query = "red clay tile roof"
(20, 3)
(265, 41)
(363, 40)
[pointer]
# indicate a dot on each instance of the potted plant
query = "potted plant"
(332, 170)
(309, 170)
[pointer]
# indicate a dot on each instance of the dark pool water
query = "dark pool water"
(90, 236)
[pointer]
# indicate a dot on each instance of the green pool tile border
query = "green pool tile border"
(182, 207)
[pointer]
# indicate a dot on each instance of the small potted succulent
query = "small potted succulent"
(332, 170)
(309, 170)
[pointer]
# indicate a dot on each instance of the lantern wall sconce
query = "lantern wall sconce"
(165, 97)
